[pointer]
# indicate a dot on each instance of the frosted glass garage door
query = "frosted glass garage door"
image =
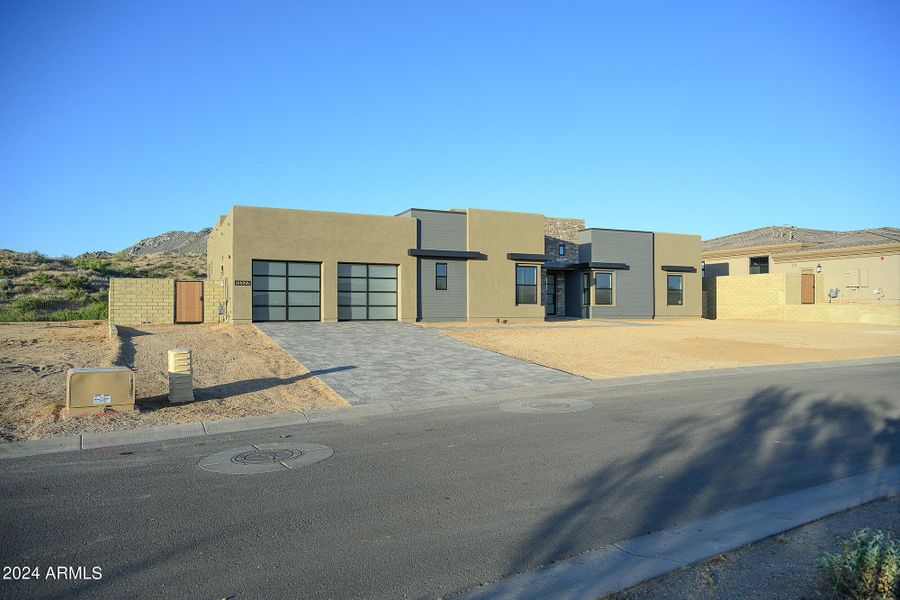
(285, 291)
(367, 292)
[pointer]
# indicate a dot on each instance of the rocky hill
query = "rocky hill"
(175, 242)
(35, 287)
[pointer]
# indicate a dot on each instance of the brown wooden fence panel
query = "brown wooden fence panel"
(188, 301)
(807, 288)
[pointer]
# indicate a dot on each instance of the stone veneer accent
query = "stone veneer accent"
(560, 231)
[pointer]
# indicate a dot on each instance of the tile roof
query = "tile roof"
(811, 239)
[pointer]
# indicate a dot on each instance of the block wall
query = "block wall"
(213, 299)
(776, 297)
(141, 301)
(134, 301)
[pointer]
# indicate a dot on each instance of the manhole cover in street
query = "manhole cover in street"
(546, 406)
(265, 458)
(261, 457)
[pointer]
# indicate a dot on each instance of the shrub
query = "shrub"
(867, 568)
(75, 282)
(42, 278)
(76, 294)
(36, 257)
(98, 265)
(194, 274)
(96, 311)
(29, 303)
(9, 271)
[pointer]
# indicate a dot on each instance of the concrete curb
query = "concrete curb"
(620, 566)
(575, 390)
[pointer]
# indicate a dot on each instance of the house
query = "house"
(277, 264)
(860, 266)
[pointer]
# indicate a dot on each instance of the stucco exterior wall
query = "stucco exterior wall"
(325, 237)
(878, 271)
(491, 283)
(219, 261)
(879, 268)
(776, 297)
(678, 250)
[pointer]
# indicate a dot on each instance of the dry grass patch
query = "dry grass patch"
(237, 372)
(670, 346)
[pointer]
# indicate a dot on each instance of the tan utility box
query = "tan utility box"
(93, 391)
(181, 376)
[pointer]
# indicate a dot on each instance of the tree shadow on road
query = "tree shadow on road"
(755, 456)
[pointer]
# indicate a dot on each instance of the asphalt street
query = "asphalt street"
(434, 503)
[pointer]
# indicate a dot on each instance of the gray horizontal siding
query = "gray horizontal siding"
(441, 230)
(633, 288)
(442, 305)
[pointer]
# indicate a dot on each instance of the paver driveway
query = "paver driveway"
(378, 362)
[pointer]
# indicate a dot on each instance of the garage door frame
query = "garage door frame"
(349, 277)
(287, 277)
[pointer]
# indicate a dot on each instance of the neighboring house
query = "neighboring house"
(433, 265)
(852, 266)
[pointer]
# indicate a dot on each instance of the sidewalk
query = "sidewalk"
(625, 564)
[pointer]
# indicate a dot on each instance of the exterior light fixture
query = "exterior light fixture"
(819, 268)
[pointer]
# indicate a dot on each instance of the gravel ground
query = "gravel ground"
(680, 345)
(237, 372)
(783, 567)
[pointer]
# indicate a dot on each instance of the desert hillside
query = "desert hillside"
(35, 287)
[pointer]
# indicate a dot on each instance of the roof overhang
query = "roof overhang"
(585, 266)
(457, 254)
(679, 269)
(529, 257)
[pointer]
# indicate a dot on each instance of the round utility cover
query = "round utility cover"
(546, 406)
(265, 458)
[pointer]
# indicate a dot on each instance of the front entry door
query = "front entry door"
(551, 294)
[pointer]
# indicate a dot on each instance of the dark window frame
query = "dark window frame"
(368, 305)
(759, 265)
(523, 286)
(287, 277)
(550, 301)
(612, 296)
(440, 281)
(585, 289)
(670, 291)
(562, 249)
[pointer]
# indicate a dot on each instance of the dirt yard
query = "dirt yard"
(603, 350)
(237, 372)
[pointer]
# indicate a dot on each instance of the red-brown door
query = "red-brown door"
(807, 288)
(188, 301)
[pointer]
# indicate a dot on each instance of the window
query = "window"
(526, 284)
(440, 276)
(675, 290)
(603, 292)
(759, 264)
(585, 289)
(562, 249)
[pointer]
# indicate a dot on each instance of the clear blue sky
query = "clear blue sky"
(121, 120)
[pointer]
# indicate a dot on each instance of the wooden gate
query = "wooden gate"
(188, 301)
(807, 288)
